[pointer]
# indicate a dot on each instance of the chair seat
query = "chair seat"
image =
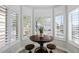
(51, 46)
(29, 46)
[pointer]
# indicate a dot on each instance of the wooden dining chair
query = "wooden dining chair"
(29, 47)
(41, 50)
(51, 47)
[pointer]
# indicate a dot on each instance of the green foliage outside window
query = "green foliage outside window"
(27, 25)
(42, 20)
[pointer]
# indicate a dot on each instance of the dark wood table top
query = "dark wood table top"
(45, 38)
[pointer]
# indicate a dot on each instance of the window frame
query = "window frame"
(30, 21)
(63, 27)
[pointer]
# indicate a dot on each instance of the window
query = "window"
(14, 31)
(59, 27)
(26, 26)
(75, 25)
(2, 26)
(46, 23)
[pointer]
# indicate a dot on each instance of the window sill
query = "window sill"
(59, 40)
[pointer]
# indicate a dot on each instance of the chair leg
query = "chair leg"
(51, 51)
(30, 51)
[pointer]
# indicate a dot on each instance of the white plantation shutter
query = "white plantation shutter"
(75, 25)
(13, 26)
(2, 25)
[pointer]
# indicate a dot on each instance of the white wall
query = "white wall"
(43, 12)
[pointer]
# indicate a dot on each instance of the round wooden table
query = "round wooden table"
(41, 40)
